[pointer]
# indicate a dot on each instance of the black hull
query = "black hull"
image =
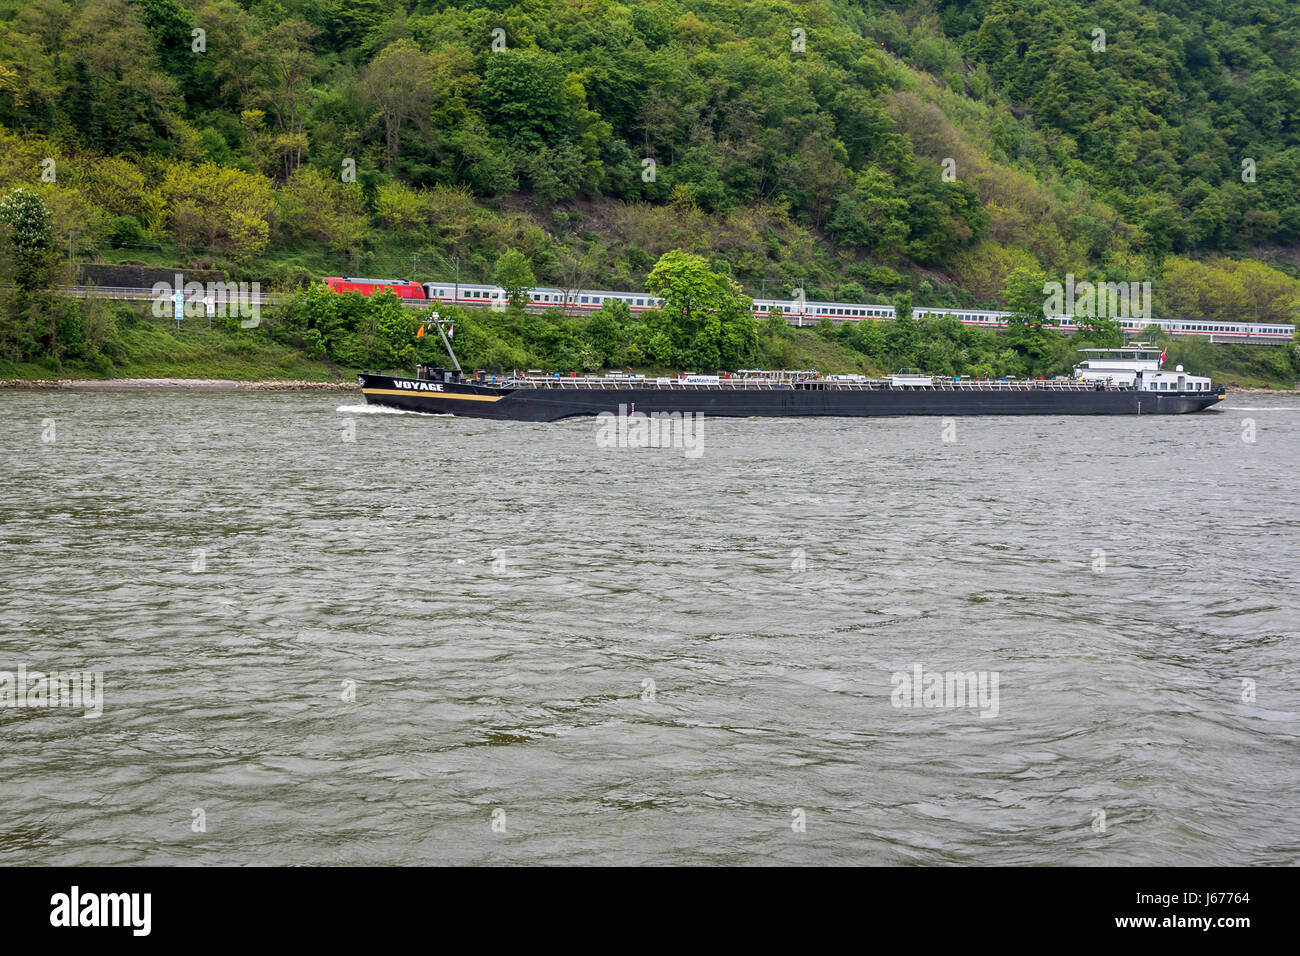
(553, 404)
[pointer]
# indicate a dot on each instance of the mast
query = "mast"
(440, 324)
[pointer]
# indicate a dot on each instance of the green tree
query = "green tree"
(30, 232)
(514, 274)
(688, 287)
(1027, 326)
(709, 318)
(523, 97)
(398, 86)
(903, 306)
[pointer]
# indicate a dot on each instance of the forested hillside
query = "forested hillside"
(860, 150)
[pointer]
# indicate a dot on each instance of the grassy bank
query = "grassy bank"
(141, 346)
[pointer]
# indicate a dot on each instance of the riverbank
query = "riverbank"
(191, 384)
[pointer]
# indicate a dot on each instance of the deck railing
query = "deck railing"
(593, 382)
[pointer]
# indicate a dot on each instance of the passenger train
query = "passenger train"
(838, 312)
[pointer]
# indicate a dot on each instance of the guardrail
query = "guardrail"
(127, 294)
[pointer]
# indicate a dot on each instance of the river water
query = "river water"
(327, 634)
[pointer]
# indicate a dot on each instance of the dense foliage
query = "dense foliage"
(921, 153)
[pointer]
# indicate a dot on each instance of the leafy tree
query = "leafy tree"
(285, 69)
(219, 208)
(710, 318)
(29, 230)
(514, 274)
(398, 85)
(1027, 326)
(523, 97)
(873, 216)
(903, 306)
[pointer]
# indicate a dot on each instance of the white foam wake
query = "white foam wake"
(384, 410)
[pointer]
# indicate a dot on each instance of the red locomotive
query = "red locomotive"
(399, 287)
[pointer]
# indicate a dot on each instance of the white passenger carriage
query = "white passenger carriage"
(811, 313)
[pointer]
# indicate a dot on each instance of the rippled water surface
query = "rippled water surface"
(635, 656)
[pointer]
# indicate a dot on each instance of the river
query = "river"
(330, 634)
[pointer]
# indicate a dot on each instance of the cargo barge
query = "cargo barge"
(1122, 381)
